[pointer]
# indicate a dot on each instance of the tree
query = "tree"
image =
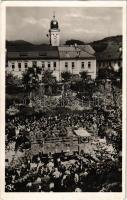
(110, 73)
(50, 81)
(119, 75)
(12, 80)
(87, 84)
(103, 73)
(73, 42)
(84, 75)
(66, 76)
(30, 79)
(48, 78)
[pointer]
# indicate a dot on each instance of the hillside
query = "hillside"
(101, 45)
(21, 45)
(15, 45)
(98, 46)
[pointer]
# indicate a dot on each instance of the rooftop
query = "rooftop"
(29, 51)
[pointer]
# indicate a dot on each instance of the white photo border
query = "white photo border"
(54, 196)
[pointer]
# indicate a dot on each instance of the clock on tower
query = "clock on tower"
(54, 32)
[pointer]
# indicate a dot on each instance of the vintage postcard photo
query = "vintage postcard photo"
(64, 98)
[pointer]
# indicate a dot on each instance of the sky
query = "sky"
(86, 24)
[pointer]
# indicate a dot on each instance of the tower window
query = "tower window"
(82, 65)
(66, 64)
(89, 65)
(73, 65)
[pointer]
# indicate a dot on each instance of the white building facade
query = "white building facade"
(74, 60)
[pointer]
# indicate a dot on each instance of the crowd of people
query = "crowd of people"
(57, 172)
(54, 174)
(54, 125)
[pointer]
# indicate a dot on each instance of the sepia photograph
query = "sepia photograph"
(64, 99)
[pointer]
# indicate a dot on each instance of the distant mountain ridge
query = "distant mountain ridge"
(98, 45)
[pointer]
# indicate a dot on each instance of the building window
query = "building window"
(54, 65)
(19, 66)
(43, 65)
(66, 64)
(73, 65)
(26, 65)
(49, 65)
(13, 66)
(89, 65)
(82, 65)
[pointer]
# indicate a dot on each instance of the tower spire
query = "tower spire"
(54, 31)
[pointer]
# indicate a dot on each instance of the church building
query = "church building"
(55, 57)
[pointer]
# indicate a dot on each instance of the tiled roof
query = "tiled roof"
(88, 48)
(49, 52)
(71, 52)
(42, 52)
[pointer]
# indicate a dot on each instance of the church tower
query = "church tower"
(54, 32)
